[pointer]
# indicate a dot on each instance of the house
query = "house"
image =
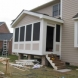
(5, 35)
(48, 29)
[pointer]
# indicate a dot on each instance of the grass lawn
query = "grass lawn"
(13, 58)
(44, 72)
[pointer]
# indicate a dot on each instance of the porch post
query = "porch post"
(20, 56)
(30, 57)
(43, 36)
(44, 61)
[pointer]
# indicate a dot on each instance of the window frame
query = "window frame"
(59, 10)
(20, 33)
(15, 35)
(26, 32)
(58, 33)
(33, 31)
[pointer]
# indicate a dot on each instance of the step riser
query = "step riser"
(59, 64)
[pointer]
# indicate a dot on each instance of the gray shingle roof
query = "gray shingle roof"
(5, 36)
(1, 23)
(76, 16)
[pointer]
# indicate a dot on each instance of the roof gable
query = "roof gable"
(22, 14)
(1, 23)
(45, 5)
(40, 15)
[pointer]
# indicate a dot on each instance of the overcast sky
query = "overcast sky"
(9, 9)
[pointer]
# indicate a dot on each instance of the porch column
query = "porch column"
(43, 36)
(20, 56)
(30, 56)
(44, 61)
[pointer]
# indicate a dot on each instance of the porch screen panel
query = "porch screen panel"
(36, 31)
(57, 33)
(22, 30)
(16, 34)
(28, 32)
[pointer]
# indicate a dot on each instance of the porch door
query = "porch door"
(49, 39)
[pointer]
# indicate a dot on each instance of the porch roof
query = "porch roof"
(36, 14)
(6, 36)
(75, 17)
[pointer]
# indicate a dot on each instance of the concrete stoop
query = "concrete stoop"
(64, 70)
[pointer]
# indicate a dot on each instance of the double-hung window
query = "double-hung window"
(56, 10)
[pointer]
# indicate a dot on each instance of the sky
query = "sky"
(10, 9)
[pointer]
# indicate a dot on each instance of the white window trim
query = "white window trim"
(76, 34)
(61, 8)
(58, 11)
(25, 32)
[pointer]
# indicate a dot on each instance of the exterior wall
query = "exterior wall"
(4, 29)
(9, 46)
(27, 20)
(1, 43)
(1, 47)
(69, 53)
(48, 9)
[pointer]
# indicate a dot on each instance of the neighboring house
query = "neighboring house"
(48, 29)
(5, 35)
(4, 28)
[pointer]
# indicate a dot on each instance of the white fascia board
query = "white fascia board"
(37, 15)
(33, 14)
(26, 12)
(16, 19)
(52, 19)
(75, 18)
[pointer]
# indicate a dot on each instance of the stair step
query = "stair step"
(61, 63)
(56, 61)
(56, 58)
(60, 67)
(50, 55)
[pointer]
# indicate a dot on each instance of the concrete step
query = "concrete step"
(60, 67)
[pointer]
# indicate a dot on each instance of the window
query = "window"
(16, 34)
(56, 10)
(28, 32)
(57, 33)
(22, 29)
(36, 31)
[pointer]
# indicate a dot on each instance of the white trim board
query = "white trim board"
(41, 16)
